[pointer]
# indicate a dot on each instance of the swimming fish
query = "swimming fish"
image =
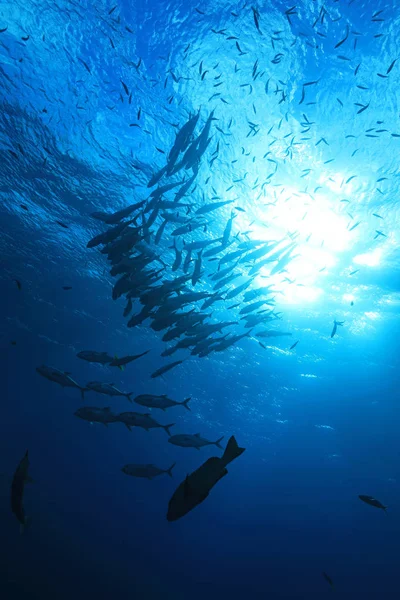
(196, 487)
(146, 471)
(20, 478)
(373, 502)
(335, 326)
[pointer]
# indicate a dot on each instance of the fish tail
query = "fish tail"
(166, 427)
(217, 443)
(232, 450)
(83, 390)
(186, 402)
(128, 426)
(169, 471)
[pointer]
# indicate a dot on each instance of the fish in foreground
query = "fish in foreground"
(161, 402)
(373, 502)
(165, 369)
(108, 389)
(95, 357)
(20, 478)
(336, 324)
(96, 415)
(187, 440)
(146, 471)
(145, 421)
(328, 579)
(196, 487)
(59, 377)
(124, 360)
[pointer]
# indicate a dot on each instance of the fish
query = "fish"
(335, 326)
(294, 345)
(271, 333)
(161, 402)
(165, 369)
(145, 421)
(328, 579)
(373, 502)
(67, 287)
(18, 283)
(212, 206)
(124, 360)
(95, 357)
(20, 478)
(96, 415)
(60, 377)
(197, 486)
(108, 389)
(193, 441)
(146, 471)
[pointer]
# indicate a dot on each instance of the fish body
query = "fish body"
(372, 502)
(271, 333)
(143, 420)
(124, 360)
(193, 441)
(20, 478)
(96, 415)
(60, 377)
(108, 389)
(146, 471)
(95, 357)
(161, 402)
(336, 324)
(166, 368)
(196, 487)
(328, 579)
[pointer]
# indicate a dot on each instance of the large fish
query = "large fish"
(108, 389)
(96, 415)
(196, 487)
(161, 402)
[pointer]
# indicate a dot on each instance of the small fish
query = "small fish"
(378, 233)
(20, 478)
(373, 502)
(165, 369)
(61, 224)
(19, 285)
(335, 326)
(354, 272)
(377, 216)
(328, 579)
(294, 345)
(67, 287)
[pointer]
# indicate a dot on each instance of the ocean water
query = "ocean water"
(305, 144)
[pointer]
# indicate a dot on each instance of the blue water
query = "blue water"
(319, 423)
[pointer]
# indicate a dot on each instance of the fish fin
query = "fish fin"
(186, 402)
(217, 443)
(129, 396)
(166, 427)
(128, 426)
(169, 471)
(232, 450)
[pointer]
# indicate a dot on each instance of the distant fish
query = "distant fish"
(328, 579)
(96, 415)
(165, 369)
(373, 502)
(161, 402)
(187, 440)
(108, 389)
(19, 285)
(20, 478)
(294, 345)
(335, 326)
(146, 471)
(67, 287)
